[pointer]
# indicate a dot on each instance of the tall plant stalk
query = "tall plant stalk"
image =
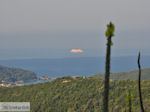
(109, 34)
(139, 83)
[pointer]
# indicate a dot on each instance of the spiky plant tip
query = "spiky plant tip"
(110, 30)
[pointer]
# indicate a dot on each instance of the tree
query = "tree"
(109, 34)
(139, 83)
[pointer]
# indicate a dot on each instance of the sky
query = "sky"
(51, 28)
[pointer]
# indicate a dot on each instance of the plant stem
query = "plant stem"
(107, 74)
(139, 84)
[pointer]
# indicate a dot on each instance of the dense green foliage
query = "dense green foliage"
(14, 74)
(78, 95)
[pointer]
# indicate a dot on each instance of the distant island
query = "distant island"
(8, 74)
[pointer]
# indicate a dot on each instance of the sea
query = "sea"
(80, 66)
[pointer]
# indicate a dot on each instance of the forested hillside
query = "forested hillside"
(78, 95)
(15, 74)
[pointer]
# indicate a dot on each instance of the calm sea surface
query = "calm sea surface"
(76, 66)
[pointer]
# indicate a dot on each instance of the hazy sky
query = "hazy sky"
(50, 28)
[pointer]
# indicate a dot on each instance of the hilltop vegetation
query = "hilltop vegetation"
(77, 95)
(14, 74)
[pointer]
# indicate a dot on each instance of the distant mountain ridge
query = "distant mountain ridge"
(15, 74)
(132, 75)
